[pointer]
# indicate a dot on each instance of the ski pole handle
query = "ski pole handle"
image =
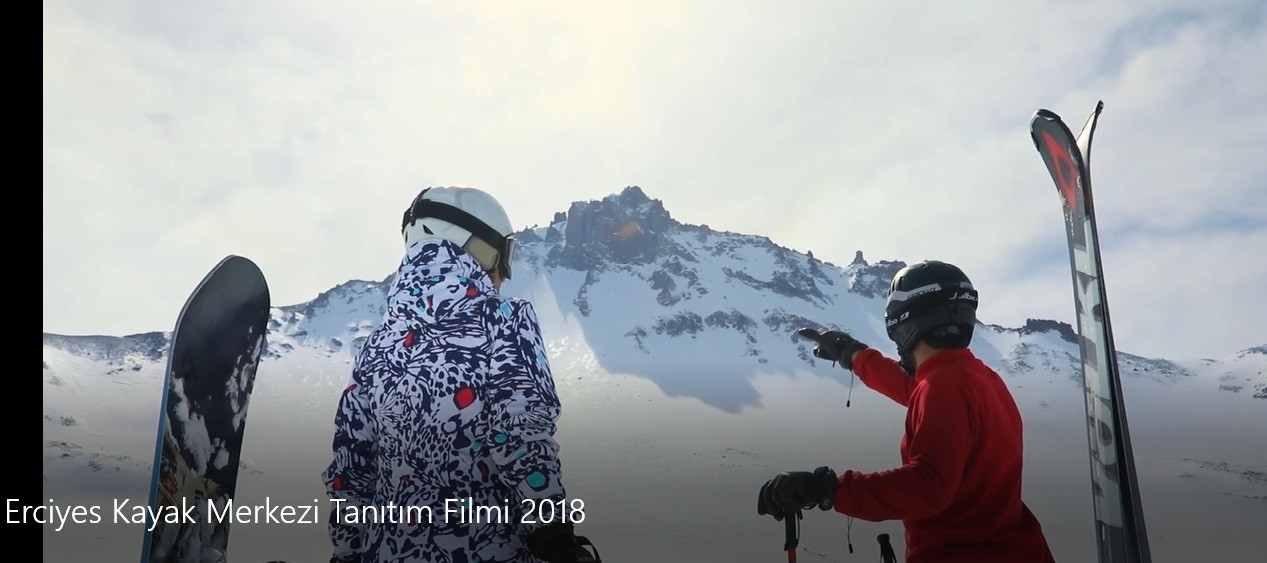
(791, 529)
(886, 549)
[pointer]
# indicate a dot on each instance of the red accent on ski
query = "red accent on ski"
(1064, 169)
(409, 338)
(472, 292)
(351, 387)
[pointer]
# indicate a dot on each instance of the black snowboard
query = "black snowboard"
(213, 355)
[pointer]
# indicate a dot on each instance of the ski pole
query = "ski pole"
(791, 529)
(886, 549)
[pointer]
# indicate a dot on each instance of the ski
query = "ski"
(212, 358)
(1119, 517)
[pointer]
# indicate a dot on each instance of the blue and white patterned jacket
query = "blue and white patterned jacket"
(451, 402)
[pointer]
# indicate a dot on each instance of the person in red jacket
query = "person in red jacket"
(958, 490)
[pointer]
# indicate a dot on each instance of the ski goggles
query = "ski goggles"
(505, 244)
(505, 255)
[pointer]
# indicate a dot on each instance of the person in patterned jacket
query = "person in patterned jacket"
(445, 436)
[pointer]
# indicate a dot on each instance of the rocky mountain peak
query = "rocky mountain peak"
(1065, 330)
(873, 280)
(627, 227)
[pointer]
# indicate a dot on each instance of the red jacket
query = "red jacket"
(958, 491)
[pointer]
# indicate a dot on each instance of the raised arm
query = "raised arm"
(876, 371)
(884, 375)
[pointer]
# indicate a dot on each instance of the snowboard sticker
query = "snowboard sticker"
(213, 355)
(1120, 534)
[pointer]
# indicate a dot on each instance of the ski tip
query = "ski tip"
(1047, 114)
(1095, 113)
(233, 258)
(1042, 119)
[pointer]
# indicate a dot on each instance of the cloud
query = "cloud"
(296, 133)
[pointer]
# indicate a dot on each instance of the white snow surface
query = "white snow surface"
(678, 403)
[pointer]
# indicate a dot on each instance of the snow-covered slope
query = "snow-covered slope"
(684, 389)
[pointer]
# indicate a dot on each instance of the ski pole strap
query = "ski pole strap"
(791, 529)
(886, 549)
(585, 542)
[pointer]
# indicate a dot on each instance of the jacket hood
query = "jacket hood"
(435, 280)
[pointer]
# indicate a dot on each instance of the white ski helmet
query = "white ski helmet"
(468, 217)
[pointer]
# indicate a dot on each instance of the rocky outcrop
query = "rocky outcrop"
(665, 281)
(783, 282)
(112, 349)
(626, 228)
(1065, 330)
(679, 324)
(872, 280)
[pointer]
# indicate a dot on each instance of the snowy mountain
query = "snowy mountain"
(684, 389)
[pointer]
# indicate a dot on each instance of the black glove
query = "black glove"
(834, 345)
(558, 543)
(791, 492)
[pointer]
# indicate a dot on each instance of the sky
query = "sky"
(296, 132)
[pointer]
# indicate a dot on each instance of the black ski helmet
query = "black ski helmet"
(932, 300)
